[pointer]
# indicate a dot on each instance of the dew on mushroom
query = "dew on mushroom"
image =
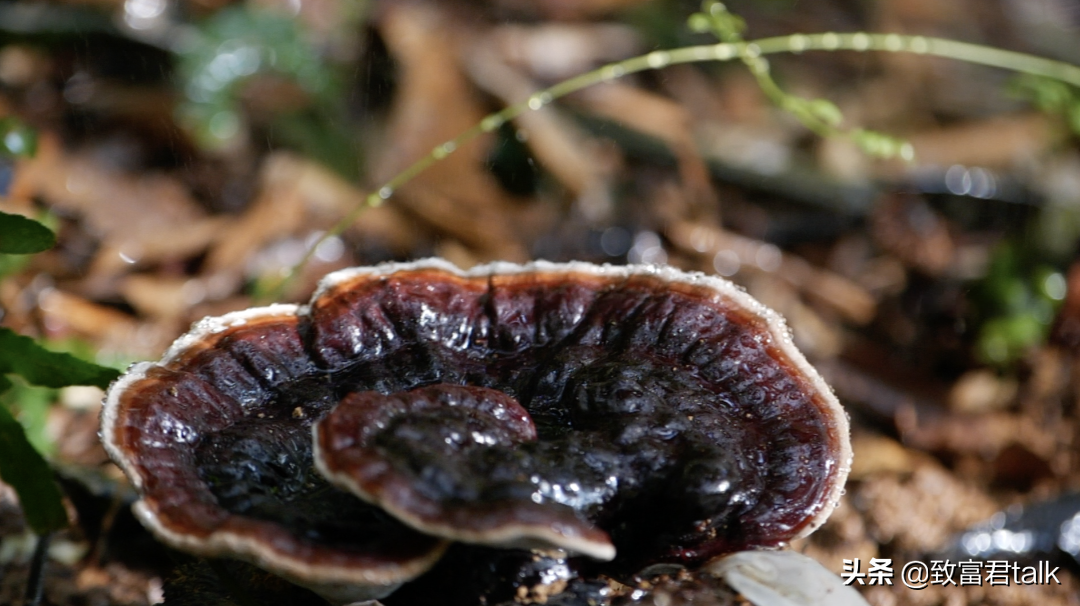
(632, 414)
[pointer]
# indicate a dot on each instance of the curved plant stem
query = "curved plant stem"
(749, 51)
(924, 45)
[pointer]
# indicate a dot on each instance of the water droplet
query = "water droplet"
(611, 72)
(539, 100)
(444, 150)
(658, 59)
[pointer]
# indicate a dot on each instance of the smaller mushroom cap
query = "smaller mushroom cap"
(439, 458)
(190, 430)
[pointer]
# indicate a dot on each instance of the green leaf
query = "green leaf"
(1074, 117)
(39, 366)
(27, 472)
(22, 236)
(1051, 95)
(31, 405)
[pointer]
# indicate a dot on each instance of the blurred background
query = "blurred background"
(189, 152)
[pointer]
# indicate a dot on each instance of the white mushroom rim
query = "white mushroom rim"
(339, 583)
(222, 542)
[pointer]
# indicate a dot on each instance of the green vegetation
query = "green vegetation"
(21, 464)
(1017, 301)
(239, 44)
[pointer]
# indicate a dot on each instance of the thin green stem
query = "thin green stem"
(749, 51)
(924, 45)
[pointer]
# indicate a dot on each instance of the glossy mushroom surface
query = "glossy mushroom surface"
(215, 438)
(463, 463)
(672, 417)
(672, 411)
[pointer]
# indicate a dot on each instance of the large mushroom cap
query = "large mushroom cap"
(672, 410)
(671, 414)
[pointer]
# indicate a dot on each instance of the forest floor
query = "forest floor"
(940, 298)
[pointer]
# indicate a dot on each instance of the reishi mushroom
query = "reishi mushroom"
(409, 453)
(639, 413)
(219, 451)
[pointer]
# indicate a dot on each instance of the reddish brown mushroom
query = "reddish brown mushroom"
(672, 411)
(216, 439)
(663, 413)
(407, 452)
